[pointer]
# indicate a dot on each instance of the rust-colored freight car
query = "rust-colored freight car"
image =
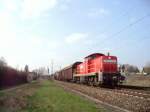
(66, 74)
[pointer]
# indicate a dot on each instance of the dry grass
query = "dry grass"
(138, 80)
(44, 96)
(16, 99)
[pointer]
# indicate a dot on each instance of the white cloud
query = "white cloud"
(64, 7)
(9, 5)
(34, 8)
(98, 12)
(54, 44)
(67, 1)
(4, 21)
(107, 49)
(89, 42)
(27, 8)
(76, 37)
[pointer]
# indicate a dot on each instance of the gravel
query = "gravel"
(130, 103)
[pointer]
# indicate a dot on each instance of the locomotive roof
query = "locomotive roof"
(94, 54)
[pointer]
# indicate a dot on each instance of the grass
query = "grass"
(1, 94)
(50, 98)
(44, 96)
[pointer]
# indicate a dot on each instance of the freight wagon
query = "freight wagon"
(67, 73)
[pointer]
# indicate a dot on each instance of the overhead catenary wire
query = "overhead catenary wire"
(141, 41)
(125, 28)
(126, 13)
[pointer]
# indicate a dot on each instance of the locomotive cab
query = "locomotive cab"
(110, 72)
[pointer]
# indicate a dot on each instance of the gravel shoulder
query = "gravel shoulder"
(105, 106)
(131, 103)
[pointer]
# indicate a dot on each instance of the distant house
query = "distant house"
(126, 68)
(146, 70)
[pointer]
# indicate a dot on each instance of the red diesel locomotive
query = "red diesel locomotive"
(96, 69)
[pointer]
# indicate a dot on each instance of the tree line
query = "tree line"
(127, 68)
(9, 76)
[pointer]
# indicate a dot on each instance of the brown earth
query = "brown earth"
(16, 99)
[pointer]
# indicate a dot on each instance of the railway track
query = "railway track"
(133, 93)
(134, 87)
(127, 98)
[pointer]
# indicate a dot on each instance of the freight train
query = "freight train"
(97, 69)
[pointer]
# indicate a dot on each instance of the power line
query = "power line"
(141, 41)
(126, 27)
(126, 13)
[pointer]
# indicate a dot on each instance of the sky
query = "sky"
(37, 32)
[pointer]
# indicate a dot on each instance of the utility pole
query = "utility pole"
(59, 67)
(48, 70)
(52, 66)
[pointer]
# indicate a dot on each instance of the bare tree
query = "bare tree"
(3, 62)
(26, 68)
(3, 67)
(129, 68)
(146, 68)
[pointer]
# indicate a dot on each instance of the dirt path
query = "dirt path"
(15, 98)
(14, 88)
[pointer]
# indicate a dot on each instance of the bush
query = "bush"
(10, 77)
